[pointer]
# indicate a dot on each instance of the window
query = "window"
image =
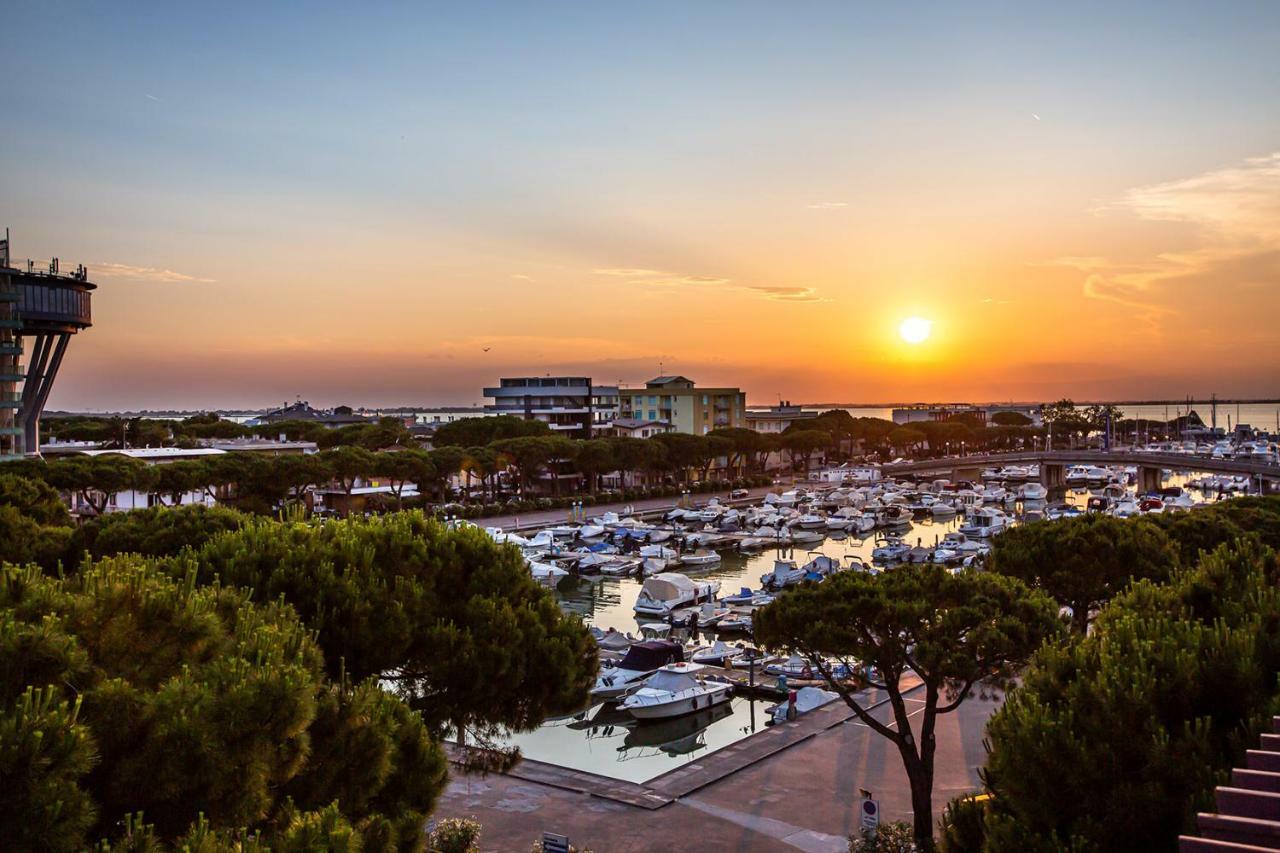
(704, 399)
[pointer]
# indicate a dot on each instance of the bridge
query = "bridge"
(1053, 465)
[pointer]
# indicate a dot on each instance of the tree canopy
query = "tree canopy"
(952, 631)
(134, 705)
(1083, 562)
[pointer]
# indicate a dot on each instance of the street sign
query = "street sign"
(552, 843)
(870, 814)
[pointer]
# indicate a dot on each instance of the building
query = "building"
(777, 419)
(941, 412)
(1033, 412)
(572, 406)
(636, 428)
(688, 408)
(43, 307)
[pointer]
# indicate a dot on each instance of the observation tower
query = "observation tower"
(40, 309)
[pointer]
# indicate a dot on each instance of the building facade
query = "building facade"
(572, 406)
(688, 408)
(776, 419)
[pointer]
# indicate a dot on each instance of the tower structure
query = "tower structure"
(43, 306)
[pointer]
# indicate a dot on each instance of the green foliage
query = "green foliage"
(893, 837)
(22, 540)
(1115, 740)
(953, 631)
(1082, 562)
(473, 432)
(404, 597)
(1010, 419)
(455, 835)
(127, 692)
(962, 825)
(33, 498)
(153, 532)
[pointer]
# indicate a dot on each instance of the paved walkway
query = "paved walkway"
(803, 797)
(543, 518)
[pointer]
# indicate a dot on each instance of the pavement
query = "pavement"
(803, 797)
(543, 518)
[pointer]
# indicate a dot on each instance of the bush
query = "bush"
(894, 837)
(454, 835)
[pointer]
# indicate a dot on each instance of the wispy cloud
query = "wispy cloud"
(661, 278)
(1234, 244)
(150, 96)
(788, 294)
(152, 274)
(828, 205)
(522, 277)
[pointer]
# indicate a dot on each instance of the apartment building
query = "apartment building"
(688, 408)
(572, 406)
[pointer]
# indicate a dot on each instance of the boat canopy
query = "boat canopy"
(650, 655)
(666, 681)
(668, 586)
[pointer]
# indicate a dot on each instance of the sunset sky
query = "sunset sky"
(351, 203)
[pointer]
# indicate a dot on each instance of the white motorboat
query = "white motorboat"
(890, 549)
(667, 591)
(718, 654)
(1077, 476)
(985, 521)
(802, 536)
(807, 699)
(810, 522)
(735, 623)
(700, 558)
(591, 531)
(675, 690)
(641, 660)
(941, 509)
(1032, 492)
(546, 572)
(785, 573)
(611, 640)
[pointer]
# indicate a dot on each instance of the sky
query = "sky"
(401, 203)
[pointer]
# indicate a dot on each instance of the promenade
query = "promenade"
(802, 796)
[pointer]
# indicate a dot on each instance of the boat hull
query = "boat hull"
(680, 707)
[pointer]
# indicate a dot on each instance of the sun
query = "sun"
(915, 330)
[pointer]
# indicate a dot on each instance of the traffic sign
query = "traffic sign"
(870, 814)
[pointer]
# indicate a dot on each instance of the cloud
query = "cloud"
(1232, 243)
(660, 278)
(151, 274)
(828, 205)
(788, 294)
(522, 277)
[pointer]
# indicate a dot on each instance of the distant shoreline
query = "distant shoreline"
(479, 409)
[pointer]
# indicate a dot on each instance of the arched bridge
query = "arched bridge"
(1053, 464)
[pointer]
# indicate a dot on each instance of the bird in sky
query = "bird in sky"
(1035, 116)
(486, 349)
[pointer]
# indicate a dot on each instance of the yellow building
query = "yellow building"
(687, 408)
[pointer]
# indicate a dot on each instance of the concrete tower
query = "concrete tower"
(45, 307)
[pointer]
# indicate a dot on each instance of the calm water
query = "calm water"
(608, 742)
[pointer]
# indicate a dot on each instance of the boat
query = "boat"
(611, 640)
(546, 572)
(641, 660)
(675, 690)
(985, 521)
(890, 549)
(807, 699)
(810, 522)
(717, 654)
(1077, 476)
(1032, 492)
(666, 591)
(700, 558)
(735, 623)
(591, 531)
(742, 596)
(801, 536)
(785, 573)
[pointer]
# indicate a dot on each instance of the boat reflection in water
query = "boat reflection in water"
(676, 736)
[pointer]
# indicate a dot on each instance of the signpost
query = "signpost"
(870, 815)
